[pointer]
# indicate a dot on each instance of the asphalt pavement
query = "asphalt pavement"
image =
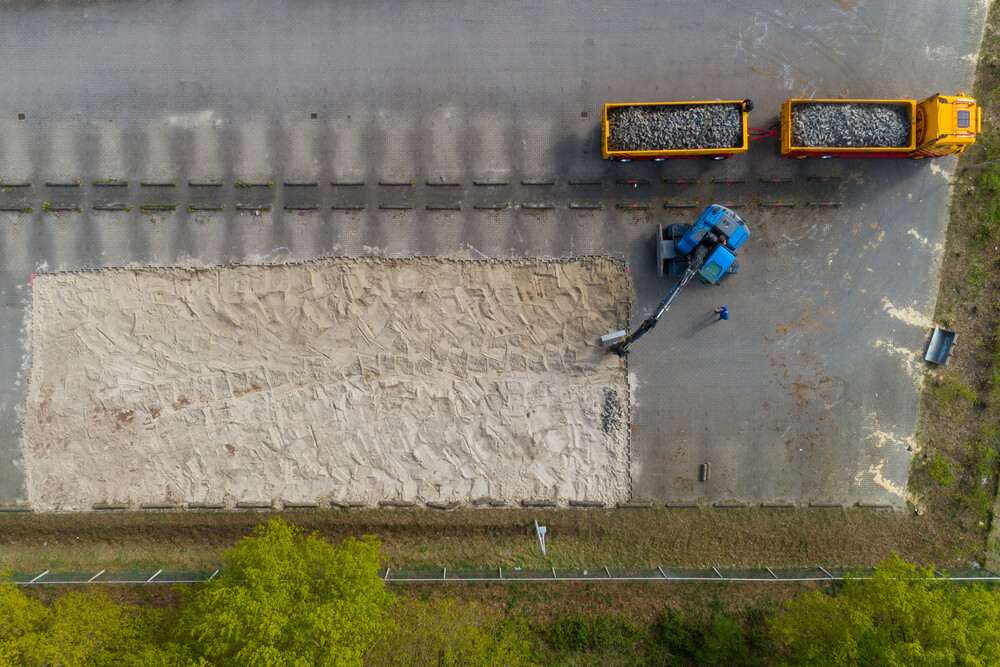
(223, 131)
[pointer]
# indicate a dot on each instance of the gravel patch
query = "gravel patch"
(850, 125)
(675, 127)
(614, 412)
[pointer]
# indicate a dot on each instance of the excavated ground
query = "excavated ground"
(336, 380)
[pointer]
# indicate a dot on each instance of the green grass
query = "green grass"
(962, 405)
(989, 215)
(949, 389)
(596, 634)
(981, 465)
(995, 373)
(983, 455)
(979, 276)
(114, 558)
(712, 635)
(940, 470)
(478, 539)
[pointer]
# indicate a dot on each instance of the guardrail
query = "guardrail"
(513, 575)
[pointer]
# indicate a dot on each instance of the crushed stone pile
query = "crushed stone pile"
(614, 412)
(849, 125)
(675, 127)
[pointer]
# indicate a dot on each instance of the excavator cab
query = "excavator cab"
(719, 227)
(718, 264)
(946, 124)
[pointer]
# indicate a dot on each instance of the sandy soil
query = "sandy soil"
(340, 379)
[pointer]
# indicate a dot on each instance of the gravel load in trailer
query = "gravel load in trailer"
(851, 125)
(675, 129)
(655, 128)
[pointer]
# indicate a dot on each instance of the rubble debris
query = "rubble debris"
(850, 125)
(675, 127)
(614, 412)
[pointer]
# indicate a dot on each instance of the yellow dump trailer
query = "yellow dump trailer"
(938, 125)
(663, 130)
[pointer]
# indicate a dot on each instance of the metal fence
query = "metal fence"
(513, 575)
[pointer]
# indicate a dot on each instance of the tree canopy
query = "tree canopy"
(285, 598)
(902, 616)
(77, 629)
(445, 633)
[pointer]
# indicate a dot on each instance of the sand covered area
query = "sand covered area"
(335, 380)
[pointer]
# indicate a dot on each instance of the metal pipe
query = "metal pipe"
(981, 164)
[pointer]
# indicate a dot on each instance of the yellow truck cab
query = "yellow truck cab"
(946, 124)
(938, 125)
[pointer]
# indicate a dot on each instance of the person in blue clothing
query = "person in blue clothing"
(723, 313)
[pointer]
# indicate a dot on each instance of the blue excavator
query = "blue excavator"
(706, 249)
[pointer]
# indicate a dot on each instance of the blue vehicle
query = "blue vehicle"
(706, 249)
(717, 226)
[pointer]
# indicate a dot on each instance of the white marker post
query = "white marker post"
(541, 535)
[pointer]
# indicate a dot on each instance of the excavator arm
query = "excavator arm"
(698, 257)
